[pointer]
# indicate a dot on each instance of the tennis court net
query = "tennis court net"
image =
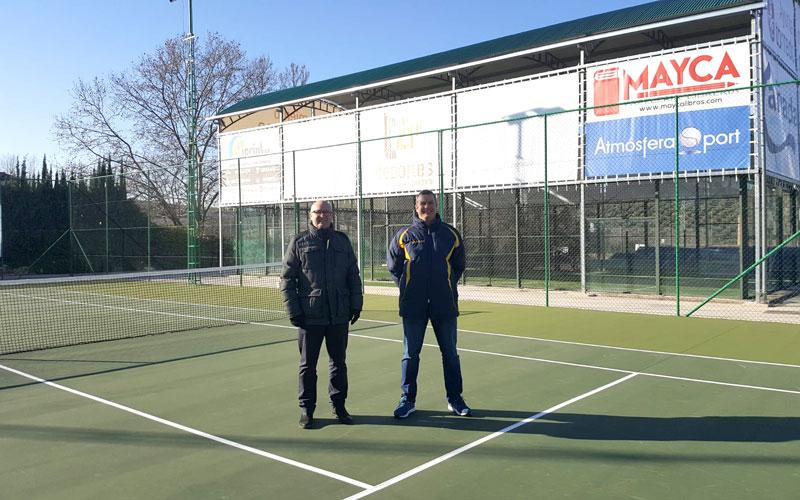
(56, 312)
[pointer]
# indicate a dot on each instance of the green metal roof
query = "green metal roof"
(638, 15)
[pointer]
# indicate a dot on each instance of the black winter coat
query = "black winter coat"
(320, 278)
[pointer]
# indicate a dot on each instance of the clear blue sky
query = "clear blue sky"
(47, 45)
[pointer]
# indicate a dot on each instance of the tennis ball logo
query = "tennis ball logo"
(690, 137)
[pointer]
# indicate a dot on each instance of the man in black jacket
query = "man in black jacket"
(321, 289)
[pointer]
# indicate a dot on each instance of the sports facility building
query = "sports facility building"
(648, 151)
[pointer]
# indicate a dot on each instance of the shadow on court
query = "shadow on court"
(566, 426)
(602, 427)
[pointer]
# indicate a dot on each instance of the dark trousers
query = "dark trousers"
(446, 337)
(310, 342)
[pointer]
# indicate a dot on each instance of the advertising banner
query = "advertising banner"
(707, 140)
(252, 157)
(662, 76)
(624, 138)
(512, 152)
(779, 31)
(410, 161)
(325, 154)
(780, 121)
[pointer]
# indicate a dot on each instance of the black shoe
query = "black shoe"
(340, 412)
(306, 419)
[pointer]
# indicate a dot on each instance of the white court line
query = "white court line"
(602, 368)
(190, 430)
(162, 301)
(601, 346)
(469, 446)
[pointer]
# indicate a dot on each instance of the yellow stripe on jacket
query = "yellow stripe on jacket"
(456, 243)
(402, 245)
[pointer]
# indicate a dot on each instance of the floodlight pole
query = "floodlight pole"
(192, 250)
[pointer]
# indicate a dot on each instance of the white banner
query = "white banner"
(254, 157)
(325, 154)
(410, 161)
(512, 152)
(780, 121)
(779, 31)
(700, 70)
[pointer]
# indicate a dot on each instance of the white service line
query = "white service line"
(191, 430)
(502, 355)
(601, 346)
(602, 368)
(469, 446)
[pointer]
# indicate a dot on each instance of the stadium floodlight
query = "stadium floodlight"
(192, 243)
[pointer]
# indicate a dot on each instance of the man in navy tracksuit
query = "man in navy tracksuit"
(426, 260)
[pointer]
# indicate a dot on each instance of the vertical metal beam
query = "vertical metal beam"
(360, 203)
(71, 232)
(463, 231)
(583, 237)
(454, 145)
(546, 224)
(792, 230)
(372, 239)
(295, 204)
(516, 237)
(192, 231)
(759, 182)
(657, 246)
(219, 213)
(442, 199)
(582, 162)
(239, 214)
(744, 235)
(149, 239)
(387, 236)
(676, 206)
(105, 192)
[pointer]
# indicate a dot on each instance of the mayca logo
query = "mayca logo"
(691, 140)
(698, 72)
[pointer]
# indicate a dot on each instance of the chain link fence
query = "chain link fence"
(653, 224)
(566, 209)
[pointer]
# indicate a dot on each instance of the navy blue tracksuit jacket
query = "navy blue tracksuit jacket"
(426, 263)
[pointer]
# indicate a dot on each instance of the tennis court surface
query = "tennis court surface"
(183, 385)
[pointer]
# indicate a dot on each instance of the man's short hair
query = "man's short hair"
(330, 204)
(425, 192)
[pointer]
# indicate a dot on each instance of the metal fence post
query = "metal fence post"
(516, 237)
(676, 219)
(546, 224)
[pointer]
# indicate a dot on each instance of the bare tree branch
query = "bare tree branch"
(139, 116)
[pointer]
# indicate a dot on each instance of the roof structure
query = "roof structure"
(588, 28)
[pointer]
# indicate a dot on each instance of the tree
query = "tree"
(140, 116)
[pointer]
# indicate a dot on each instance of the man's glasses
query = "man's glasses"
(322, 212)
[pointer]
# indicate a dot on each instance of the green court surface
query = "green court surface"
(567, 404)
